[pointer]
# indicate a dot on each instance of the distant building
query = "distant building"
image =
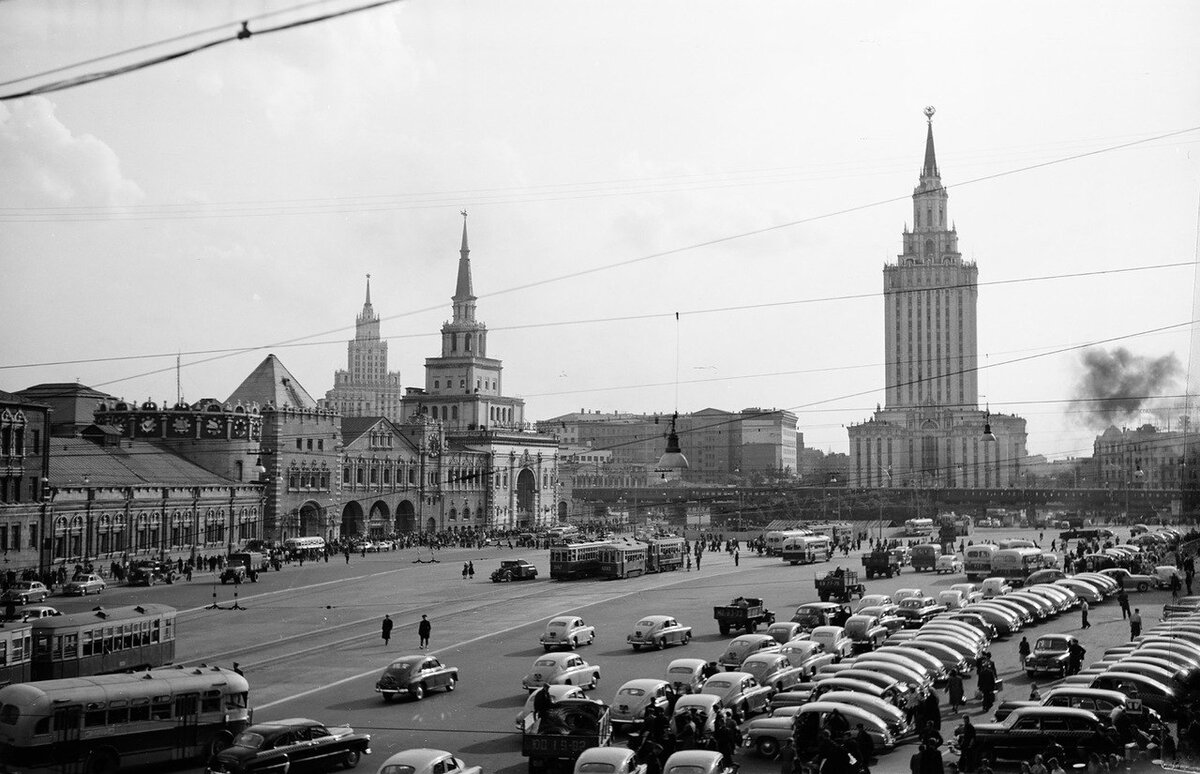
(930, 431)
(366, 388)
(1143, 458)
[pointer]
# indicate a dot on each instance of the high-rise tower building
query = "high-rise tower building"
(366, 388)
(930, 431)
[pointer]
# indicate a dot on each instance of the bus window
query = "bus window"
(211, 702)
(87, 643)
(140, 710)
(161, 709)
(238, 701)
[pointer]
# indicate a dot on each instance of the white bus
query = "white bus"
(774, 540)
(808, 549)
(304, 545)
(105, 723)
(1016, 564)
(918, 527)
(977, 560)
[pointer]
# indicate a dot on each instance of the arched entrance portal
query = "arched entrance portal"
(562, 511)
(352, 519)
(526, 486)
(406, 517)
(311, 521)
(380, 521)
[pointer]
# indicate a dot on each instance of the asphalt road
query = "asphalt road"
(309, 641)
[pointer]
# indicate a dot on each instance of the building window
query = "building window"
(345, 475)
(310, 444)
(320, 444)
(358, 475)
(299, 444)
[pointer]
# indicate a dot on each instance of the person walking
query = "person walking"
(387, 629)
(464, 572)
(1023, 650)
(954, 691)
(1083, 615)
(864, 749)
(424, 629)
(1123, 601)
(471, 570)
(987, 684)
(1135, 623)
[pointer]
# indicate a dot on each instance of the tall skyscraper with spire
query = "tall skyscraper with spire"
(930, 431)
(366, 388)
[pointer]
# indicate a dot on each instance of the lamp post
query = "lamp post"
(888, 471)
(1137, 475)
(44, 540)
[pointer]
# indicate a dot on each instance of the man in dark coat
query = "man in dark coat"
(864, 749)
(386, 629)
(987, 684)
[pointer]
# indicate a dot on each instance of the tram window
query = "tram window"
(118, 716)
(127, 630)
(161, 709)
(87, 643)
(20, 649)
(66, 718)
(238, 700)
(93, 718)
(154, 631)
(211, 703)
(70, 644)
(140, 710)
(42, 726)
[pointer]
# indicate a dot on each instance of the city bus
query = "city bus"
(977, 560)
(918, 528)
(309, 546)
(103, 640)
(622, 560)
(664, 554)
(774, 540)
(104, 723)
(571, 561)
(16, 652)
(1016, 564)
(808, 549)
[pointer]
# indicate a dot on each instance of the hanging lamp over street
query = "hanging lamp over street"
(672, 458)
(988, 435)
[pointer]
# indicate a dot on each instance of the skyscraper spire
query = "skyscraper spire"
(463, 290)
(368, 301)
(930, 169)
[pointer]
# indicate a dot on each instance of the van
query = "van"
(924, 557)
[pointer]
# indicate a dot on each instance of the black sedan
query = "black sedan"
(295, 744)
(1031, 730)
(414, 676)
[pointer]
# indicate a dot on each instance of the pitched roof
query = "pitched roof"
(271, 382)
(353, 428)
(132, 463)
(10, 397)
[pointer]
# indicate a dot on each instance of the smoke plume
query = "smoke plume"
(1116, 385)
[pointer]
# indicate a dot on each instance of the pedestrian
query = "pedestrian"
(737, 553)
(689, 562)
(1083, 615)
(966, 744)
(1135, 623)
(387, 629)
(1023, 650)
(1175, 586)
(987, 684)
(238, 670)
(954, 690)
(1123, 600)
(423, 631)
(471, 570)
(1034, 693)
(542, 701)
(864, 748)
(464, 572)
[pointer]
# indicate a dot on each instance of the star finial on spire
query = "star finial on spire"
(929, 111)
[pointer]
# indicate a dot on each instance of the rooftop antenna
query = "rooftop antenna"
(178, 380)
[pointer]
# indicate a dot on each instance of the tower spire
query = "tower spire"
(930, 169)
(464, 295)
(368, 301)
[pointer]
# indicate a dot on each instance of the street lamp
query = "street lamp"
(1138, 475)
(888, 471)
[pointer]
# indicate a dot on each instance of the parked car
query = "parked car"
(1082, 589)
(84, 584)
(740, 648)
(917, 610)
(975, 621)
(514, 570)
(872, 600)
(291, 744)
(524, 719)
(738, 691)
(414, 676)
(1162, 698)
(995, 587)
(1029, 730)
(895, 718)
(781, 728)
(1050, 655)
(686, 675)
(922, 681)
(951, 599)
(1048, 575)
(970, 591)
(561, 669)
(634, 697)
(702, 708)
(835, 640)
(601, 760)
(773, 669)
(901, 594)
(32, 613)
(24, 592)
(865, 632)
(658, 631)
(813, 614)
(1077, 697)
(893, 694)
(423, 760)
(809, 656)
(567, 631)
(697, 762)
(785, 631)
(1131, 581)
(888, 615)
(1163, 574)
(948, 563)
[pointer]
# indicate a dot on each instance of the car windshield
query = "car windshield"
(631, 692)
(545, 662)
(250, 740)
(912, 602)
(680, 769)
(1052, 643)
(595, 767)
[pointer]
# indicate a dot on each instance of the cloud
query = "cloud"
(44, 164)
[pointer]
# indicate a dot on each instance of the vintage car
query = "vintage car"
(974, 620)
(701, 709)
(932, 665)
(1022, 611)
(1154, 694)
(813, 614)
(295, 744)
(893, 694)
(658, 631)
(951, 599)
(414, 676)
(1062, 599)
(605, 760)
(738, 691)
(896, 719)
(514, 570)
(561, 669)
(147, 572)
(959, 630)
(697, 762)
(1076, 697)
(921, 680)
(84, 584)
(524, 719)
(995, 587)
(740, 648)
(952, 659)
(24, 592)
(883, 682)
(1029, 730)
(1044, 576)
(835, 640)
(970, 591)
(969, 649)
(1003, 619)
(888, 615)
(1039, 606)
(948, 563)
(917, 610)
(773, 669)
(32, 613)
(425, 761)
(1131, 581)
(766, 735)
(686, 675)
(567, 631)
(901, 594)
(865, 632)
(1050, 655)
(809, 656)
(785, 631)
(630, 703)
(873, 600)
(1082, 589)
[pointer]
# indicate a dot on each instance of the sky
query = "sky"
(749, 166)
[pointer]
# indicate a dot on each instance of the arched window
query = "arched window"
(467, 342)
(454, 412)
(928, 248)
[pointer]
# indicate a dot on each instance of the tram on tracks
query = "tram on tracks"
(16, 652)
(664, 554)
(623, 560)
(103, 641)
(571, 561)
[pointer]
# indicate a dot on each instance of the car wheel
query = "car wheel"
(451, 685)
(351, 758)
(572, 644)
(1143, 586)
(547, 647)
(637, 647)
(388, 697)
(658, 644)
(767, 747)
(418, 691)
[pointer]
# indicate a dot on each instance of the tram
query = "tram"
(16, 652)
(622, 560)
(665, 554)
(571, 561)
(102, 641)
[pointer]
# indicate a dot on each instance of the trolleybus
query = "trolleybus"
(774, 540)
(977, 560)
(103, 723)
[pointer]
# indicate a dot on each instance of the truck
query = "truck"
(745, 613)
(839, 584)
(147, 572)
(243, 565)
(514, 570)
(880, 563)
(554, 741)
(924, 557)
